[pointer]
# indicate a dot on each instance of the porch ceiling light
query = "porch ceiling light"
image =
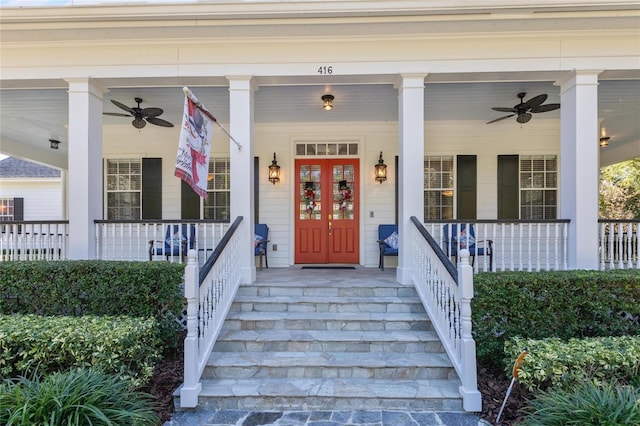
(53, 143)
(380, 170)
(327, 102)
(274, 171)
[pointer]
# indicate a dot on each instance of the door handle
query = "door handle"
(329, 217)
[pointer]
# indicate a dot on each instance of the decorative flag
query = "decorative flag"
(192, 161)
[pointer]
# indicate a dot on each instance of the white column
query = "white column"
(579, 166)
(241, 90)
(411, 165)
(85, 166)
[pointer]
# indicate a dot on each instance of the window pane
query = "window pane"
(217, 204)
(538, 183)
(124, 189)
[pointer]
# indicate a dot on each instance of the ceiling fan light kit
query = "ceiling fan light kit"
(524, 110)
(140, 115)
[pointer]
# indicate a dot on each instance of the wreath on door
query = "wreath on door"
(345, 194)
(309, 197)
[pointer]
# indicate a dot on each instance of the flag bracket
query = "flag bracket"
(206, 112)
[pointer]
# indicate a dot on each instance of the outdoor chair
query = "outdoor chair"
(387, 242)
(260, 240)
(178, 240)
(460, 239)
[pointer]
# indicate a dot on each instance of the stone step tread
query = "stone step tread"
(326, 299)
(327, 316)
(266, 336)
(329, 359)
(342, 282)
(332, 388)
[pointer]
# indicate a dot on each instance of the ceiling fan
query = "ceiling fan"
(523, 110)
(140, 114)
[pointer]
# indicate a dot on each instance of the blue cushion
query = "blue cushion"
(384, 231)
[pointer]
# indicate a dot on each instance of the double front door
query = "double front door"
(327, 213)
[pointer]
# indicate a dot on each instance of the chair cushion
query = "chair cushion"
(176, 239)
(392, 240)
(465, 240)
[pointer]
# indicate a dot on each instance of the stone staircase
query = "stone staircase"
(336, 340)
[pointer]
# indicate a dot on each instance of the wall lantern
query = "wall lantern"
(381, 170)
(604, 141)
(327, 102)
(53, 144)
(274, 171)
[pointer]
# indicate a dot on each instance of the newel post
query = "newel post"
(191, 386)
(471, 398)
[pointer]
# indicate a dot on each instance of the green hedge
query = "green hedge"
(562, 304)
(95, 287)
(32, 344)
(564, 364)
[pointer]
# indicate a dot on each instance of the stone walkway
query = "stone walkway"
(322, 418)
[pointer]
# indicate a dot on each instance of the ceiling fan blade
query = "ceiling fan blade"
(123, 106)
(501, 118)
(152, 112)
(116, 114)
(545, 108)
(138, 123)
(524, 118)
(535, 102)
(503, 109)
(159, 122)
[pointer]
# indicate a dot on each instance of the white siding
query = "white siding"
(42, 197)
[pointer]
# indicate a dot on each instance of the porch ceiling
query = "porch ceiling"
(30, 117)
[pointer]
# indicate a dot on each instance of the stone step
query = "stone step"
(331, 394)
(328, 341)
(308, 303)
(323, 289)
(307, 365)
(350, 321)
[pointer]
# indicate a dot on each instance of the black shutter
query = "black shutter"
(466, 177)
(189, 202)
(256, 187)
(18, 209)
(152, 188)
(508, 186)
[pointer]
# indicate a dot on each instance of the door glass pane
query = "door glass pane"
(310, 202)
(342, 188)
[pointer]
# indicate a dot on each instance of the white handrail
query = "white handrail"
(208, 303)
(448, 304)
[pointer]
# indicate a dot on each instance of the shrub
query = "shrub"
(77, 397)
(561, 364)
(586, 404)
(561, 304)
(125, 346)
(95, 287)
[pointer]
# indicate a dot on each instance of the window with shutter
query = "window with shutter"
(217, 206)
(438, 187)
(538, 187)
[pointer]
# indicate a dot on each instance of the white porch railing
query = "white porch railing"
(209, 293)
(619, 244)
(446, 294)
(34, 240)
(518, 245)
(122, 240)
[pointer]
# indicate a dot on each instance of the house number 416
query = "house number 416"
(325, 69)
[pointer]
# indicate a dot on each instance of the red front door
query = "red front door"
(327, 213)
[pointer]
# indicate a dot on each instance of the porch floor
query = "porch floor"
(336, 416)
